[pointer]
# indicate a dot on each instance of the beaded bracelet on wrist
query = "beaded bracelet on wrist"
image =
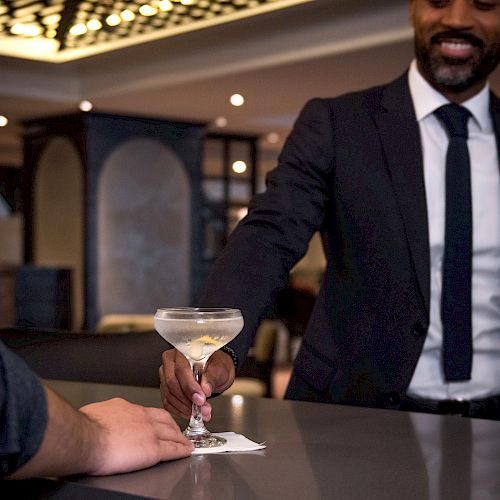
(231, 353)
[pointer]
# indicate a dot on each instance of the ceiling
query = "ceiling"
(63, 30)
(276, 57)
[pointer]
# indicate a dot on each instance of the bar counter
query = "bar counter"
(314, 451)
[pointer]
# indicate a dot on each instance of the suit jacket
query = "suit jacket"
(352, 169)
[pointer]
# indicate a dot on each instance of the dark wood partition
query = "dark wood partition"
(75, 152)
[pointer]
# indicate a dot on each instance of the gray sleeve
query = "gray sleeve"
(23, 412)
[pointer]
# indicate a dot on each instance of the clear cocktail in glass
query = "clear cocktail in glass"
(198, 333)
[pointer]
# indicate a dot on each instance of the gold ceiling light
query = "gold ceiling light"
(80, 28)
(113, 20)
(165, 5)
(147, 10)
(127, 15)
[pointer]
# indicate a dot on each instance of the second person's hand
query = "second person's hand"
(179, 389)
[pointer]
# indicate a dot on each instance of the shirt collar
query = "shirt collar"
(426, 100)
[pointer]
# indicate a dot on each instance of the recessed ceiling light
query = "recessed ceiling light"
(237, 100)
(3, 121)
(220, 121)
(239, 166)
(272, 137)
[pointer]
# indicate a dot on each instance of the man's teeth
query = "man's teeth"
(456, 45)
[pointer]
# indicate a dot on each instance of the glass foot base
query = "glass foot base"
(206, 440)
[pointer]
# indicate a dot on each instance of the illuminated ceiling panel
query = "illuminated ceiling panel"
(58, 30)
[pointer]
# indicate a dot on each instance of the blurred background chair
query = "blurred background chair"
(106, 358)
(129, 353)
(270, 349)
(43, 297)
(125, 323)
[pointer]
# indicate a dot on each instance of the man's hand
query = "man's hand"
(103, 438)
(133, 437)
(179, 388)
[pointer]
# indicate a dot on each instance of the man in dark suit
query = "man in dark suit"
(367, 170)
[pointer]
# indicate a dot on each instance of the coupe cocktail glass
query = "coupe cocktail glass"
(198, 333)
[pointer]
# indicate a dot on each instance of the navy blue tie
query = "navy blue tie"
(456, 306)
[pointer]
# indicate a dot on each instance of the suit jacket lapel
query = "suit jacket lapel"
(400, 137)
(495, 113)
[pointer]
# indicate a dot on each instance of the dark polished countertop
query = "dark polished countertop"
(314, 451)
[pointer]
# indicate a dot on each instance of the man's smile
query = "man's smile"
(456, 49)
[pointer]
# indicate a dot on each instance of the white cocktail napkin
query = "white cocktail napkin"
(235, 443)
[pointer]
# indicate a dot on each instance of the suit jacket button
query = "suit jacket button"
(418, 330)
(394, 398)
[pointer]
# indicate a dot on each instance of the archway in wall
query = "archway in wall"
(58, 216)
(143, 230)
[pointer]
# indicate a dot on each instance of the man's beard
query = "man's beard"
(453, 74)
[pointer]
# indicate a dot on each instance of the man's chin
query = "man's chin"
(453, 81)
(454, 74)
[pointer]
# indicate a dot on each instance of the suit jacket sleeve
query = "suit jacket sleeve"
(281, 221)
(23, 412)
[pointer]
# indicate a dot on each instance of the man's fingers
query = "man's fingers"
(170, 450)
(172, 443)
(176, 380)
(167, 430)
(219, 373)
(173, 404)
(162, 417)
(189, 387)
(178, 387)
(177, 408)
(206, 412)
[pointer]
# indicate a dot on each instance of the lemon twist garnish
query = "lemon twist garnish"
(206, 340)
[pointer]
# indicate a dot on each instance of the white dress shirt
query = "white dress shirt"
(428, 380)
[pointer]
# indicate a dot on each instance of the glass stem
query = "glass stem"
(196, 421)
